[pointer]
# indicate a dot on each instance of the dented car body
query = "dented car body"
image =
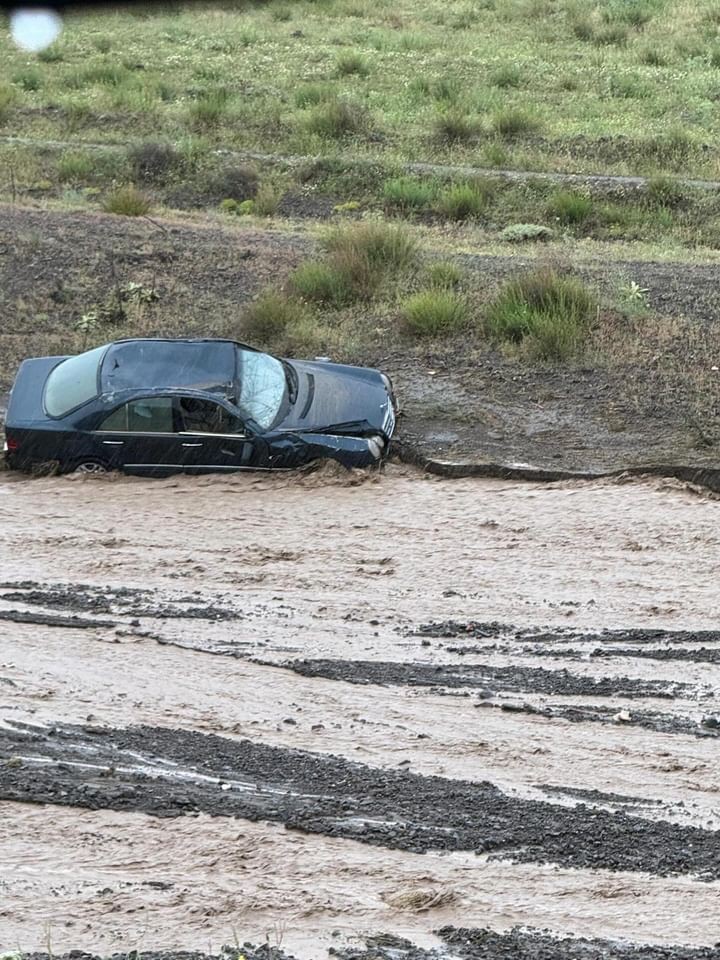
(163, 406)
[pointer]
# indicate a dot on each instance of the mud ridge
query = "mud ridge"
(494, 679)
(493, 629)
(411, 453)
(169, 773)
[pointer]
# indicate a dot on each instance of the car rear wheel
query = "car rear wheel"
(92, 467)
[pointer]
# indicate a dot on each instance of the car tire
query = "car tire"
(92, 468)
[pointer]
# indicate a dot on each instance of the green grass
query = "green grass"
(569, 207)
(337, 119)
(351, 65)
(270, 316)
(75, 166)
(406, 194)
(444, 274)
(323, 283)
(431, 313)
(545, 313)
(461, 201)
(127, 201)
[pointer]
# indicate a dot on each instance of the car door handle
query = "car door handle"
(192, 444)
(113, 443)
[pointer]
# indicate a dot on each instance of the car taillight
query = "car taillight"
(11, 444)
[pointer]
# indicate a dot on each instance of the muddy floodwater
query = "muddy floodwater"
(390, 715)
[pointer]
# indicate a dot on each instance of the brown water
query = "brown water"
(324, 566)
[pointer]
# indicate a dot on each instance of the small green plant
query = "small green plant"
(434, 312)
(351, 65)
(507, 75)
(312, 94)
(350, 206)
(127, 201)
(103, 44)
(105, 74)
(545, 312)
(633, 299)
(29, 79)
(210, 107)
(628, 87)
(454, 126)
(384, 246)
(444, 274)
(461, 201)
(239, 182)
(323, 283)
(614, 34)
(336, 119)
(512, 122)
(525, 233)
(74, 167)
(583, 28)
(282, 14)
(569, 207)
(404, 194)
(268, 318)
(653, 57)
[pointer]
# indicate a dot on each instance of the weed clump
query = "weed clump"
(270, 316)
(665, 192)
(454, 126)
(153, 162)
(210, 107)
(544, 312)
(351, 64)
(569, 207)
(444, 274)
(461, 201)
(74, 167)
(434, 312)
(507, 75)
(323, 283)
(404, 194)
(335, 119)
(511, 123)
(238, 183)
(127, 201)
(525, 233)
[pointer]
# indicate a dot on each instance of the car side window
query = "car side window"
(149, 415)
(206, 416)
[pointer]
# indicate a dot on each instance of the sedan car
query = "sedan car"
(161, 406)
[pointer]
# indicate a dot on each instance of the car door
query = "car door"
(215, 439)
(141, 436)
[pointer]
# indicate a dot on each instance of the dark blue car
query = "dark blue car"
(160, 406)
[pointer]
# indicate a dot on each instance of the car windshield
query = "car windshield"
(73, 382)
(262, 387)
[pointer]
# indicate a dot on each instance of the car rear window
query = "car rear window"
(73, 382)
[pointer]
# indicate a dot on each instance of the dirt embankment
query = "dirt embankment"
(655, 403)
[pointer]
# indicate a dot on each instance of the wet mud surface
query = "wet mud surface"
(487, 678)
(172, 772)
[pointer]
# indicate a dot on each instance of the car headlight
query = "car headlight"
(376, 446)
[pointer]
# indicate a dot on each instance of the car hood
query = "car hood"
(334, 398)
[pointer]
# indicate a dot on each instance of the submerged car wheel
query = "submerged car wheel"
(93, 467)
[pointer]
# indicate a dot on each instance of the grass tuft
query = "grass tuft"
(210, 107)
(323, 283)
(74, 167)
(7, 101)
(444, 274)
(269, 317)
(351, 65)
(507, 75)
(405, 194)
(545, 312)
(336, 119)
(454, 126)
(461, 201)
(153, 162)
(431, 313)
(127, 201)
(512, 122)
(569, 207)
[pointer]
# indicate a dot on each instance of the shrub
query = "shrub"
(454, 126)
(266, 202)
(545, 311)
(268, 317)
(444, 274)
(460, 201)
(324, 283)
(408, 193)
(525, 232)
(569, 207)
(29, 79)
(432, 312)
(385, 246)
(74, 166)
(152, 162)
(312, 94)
(235, 183)
(512, 122)
(507, 75)
(335, 119)
(210, 107)
(351, 64)
(127, 201)
(664, 192)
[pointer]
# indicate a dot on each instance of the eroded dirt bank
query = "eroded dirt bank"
(320, 708)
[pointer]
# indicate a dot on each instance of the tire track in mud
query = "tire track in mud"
(169, 773)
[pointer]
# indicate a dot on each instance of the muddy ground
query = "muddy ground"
(359, 715)
(654, 404)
